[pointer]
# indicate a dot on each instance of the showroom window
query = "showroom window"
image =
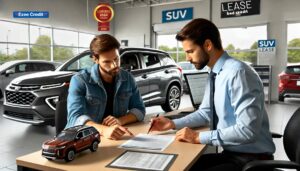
(29, 41)
(168, 43)
(293, 38)
(241, 42)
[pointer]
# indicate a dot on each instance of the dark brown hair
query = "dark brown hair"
(103, 43)
(199, 30)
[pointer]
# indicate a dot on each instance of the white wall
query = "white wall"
(132, 24)
(275, 13)
(67, 14)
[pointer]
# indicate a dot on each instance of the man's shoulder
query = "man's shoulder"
(235, 65)
(84, 74)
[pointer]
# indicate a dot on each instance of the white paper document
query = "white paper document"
(143, 161)
(149, 142)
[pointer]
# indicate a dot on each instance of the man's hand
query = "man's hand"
(110, 120)
(188, 135)
(115, 132)
(161, 124)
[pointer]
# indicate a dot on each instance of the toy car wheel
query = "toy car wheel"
(70, 155)
(94, 146)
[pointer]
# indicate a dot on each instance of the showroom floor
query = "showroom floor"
(19, 139)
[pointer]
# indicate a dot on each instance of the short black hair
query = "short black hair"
(199, 30)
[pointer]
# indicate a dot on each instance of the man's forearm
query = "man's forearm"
(127, 119)
(98, 126)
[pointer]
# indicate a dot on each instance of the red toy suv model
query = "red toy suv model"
(71, 141)
(289, 82)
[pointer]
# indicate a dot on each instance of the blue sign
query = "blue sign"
(177, 15)
(266, 43)
(31, 14)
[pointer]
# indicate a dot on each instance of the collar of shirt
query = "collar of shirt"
(220, 62)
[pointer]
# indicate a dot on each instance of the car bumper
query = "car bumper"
(290, 93)
(38, 112)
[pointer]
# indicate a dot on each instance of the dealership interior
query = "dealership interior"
(265, 34)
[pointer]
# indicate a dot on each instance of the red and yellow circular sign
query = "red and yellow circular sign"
(103, 13)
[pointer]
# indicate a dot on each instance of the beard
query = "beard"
(112, 72)
(203, 61)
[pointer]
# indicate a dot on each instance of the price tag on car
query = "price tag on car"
(298, 83)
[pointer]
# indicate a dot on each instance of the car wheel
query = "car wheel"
(70, 155)
(1, 95)
(172, 100)
(281, 98)
(94, 146)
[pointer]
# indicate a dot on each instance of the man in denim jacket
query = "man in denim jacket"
(105, 96)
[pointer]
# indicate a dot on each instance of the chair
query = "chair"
(291, 143)
(61, 114)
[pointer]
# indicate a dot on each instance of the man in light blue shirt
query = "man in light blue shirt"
(242, 126)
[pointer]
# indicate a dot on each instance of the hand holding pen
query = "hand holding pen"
(160, 123)
(152, 123)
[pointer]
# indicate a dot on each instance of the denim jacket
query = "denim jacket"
(87, 97)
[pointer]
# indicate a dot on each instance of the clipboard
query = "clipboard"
(141, 160)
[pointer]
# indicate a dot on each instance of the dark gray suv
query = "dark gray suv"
(13, 69)
(33, 98)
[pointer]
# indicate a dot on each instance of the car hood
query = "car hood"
(56, 142)
(43, 78)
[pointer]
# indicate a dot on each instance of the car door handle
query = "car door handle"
(144, 76)
(167, 71)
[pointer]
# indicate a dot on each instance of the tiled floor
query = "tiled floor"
(19, 139)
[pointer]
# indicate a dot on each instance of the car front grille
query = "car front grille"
(19, 115)
(20, 98)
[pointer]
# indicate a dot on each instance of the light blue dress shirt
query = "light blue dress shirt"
(239, 101)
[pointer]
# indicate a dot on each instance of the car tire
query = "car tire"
(70, 155)
(1, 94)
(281, 98)
(94, 146)
(172, 100)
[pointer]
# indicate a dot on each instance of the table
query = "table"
(108, 150)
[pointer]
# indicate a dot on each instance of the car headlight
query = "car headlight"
(52, 101)
(60, 147)
(49, 86)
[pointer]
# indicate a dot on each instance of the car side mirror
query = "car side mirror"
(8, 72)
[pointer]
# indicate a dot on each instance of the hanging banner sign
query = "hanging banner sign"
(177, 15)
(103, 13)
(31, 14)
(240, 8)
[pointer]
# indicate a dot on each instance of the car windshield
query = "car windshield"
(293, 70)
(66, 135)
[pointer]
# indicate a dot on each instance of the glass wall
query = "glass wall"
(293, 38)
(26, 41)
(239, 42)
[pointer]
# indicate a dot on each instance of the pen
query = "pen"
(152, 124)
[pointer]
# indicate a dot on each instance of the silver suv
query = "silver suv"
(33, 98)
